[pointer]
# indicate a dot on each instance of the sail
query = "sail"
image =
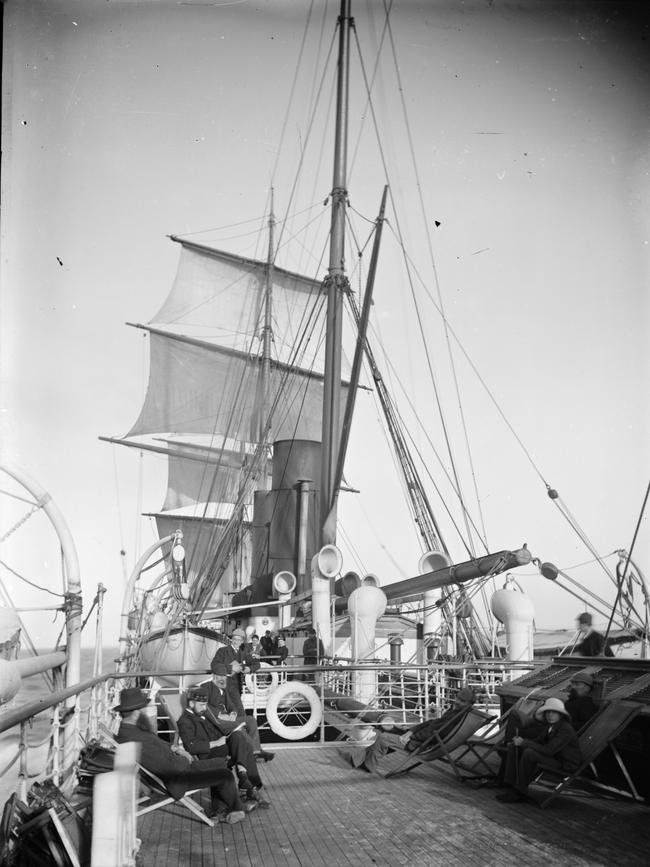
(195, 479)
(198, 388)
(219, 297)
(205, 371)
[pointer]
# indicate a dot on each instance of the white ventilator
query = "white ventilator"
(324, 566)
(516, 612)
(365, 605)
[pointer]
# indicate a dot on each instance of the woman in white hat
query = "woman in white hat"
(557, 747)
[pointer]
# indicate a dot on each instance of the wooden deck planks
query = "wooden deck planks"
(324, 813)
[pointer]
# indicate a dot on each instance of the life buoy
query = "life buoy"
(280, 696)
(262, 687)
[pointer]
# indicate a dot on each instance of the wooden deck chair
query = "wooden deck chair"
(595, 737)
(442, 744)
(479, 751)
(156, 791)
(491, 743)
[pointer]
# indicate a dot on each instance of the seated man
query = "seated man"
(227, 710)
(556, 747)
(580, 705)
(414, 738)
(176, 771)
(203, 738)
(410, 740)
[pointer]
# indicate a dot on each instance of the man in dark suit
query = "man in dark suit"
(202, 737)
(592, 643)
(176, 771)
(225, 703)
(237, 658)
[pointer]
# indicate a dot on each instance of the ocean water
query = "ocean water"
(32, 689)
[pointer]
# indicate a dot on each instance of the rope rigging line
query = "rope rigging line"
(406, 261)
(31, 583)
(440, 301)
(425, 465)
(412, 488)
(564, 511)
(628, 559)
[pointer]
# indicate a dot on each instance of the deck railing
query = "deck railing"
(408, 692)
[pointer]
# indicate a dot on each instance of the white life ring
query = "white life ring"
(294, 733)
(262, 688)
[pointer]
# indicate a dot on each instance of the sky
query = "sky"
(124, 122)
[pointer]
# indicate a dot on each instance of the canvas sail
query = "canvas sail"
(204, 405)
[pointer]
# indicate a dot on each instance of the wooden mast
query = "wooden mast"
(336, 284)
(267, 336)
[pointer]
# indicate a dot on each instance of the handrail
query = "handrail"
(28, 711)
(20, 714)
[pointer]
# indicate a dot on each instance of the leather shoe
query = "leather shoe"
(266, 756)
(494, 783)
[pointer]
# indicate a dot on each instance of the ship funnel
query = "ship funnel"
(515, 611)
(329, 560)
(370, 580)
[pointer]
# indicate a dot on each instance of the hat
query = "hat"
(553, 704)
(466, 694)
(585, 618)
(197, 693)
(131, 699)
(238, 633)
(219, 668)
(583, 677)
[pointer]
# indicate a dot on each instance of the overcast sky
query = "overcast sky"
(124, 122)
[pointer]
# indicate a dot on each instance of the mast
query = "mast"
(337, 285)
(267, 335)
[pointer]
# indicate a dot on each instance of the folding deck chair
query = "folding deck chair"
(492, 741)
(156, 788)
(442, 744)
(595, 737)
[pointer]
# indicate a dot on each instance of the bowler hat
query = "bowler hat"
(219, 668)
(553, 704)
(131, 699)
(585, 618)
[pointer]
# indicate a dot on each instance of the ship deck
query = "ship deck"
(324, 812)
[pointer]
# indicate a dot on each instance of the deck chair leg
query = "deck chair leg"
(193, 807)
(157, 805)
(625, 773)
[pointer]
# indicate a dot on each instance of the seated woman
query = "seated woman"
(557, 746)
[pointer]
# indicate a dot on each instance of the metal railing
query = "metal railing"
(409, 692)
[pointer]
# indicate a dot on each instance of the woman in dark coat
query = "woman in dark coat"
(557, 747)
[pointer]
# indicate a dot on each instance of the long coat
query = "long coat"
(177, 772)
(558, 741)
